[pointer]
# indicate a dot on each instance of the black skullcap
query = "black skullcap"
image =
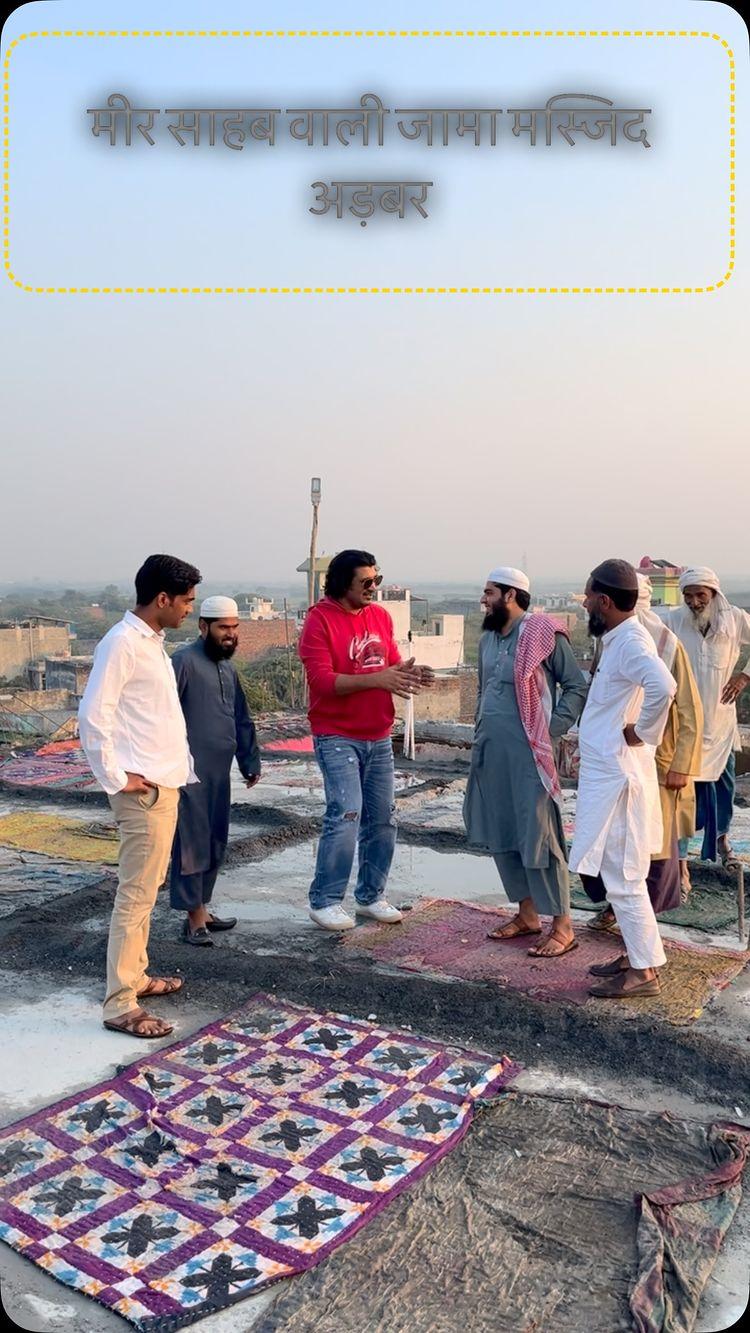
(616, 574)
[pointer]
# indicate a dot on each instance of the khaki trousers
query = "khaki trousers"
(146, 821)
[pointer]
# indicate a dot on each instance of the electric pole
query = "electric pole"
(315, 499)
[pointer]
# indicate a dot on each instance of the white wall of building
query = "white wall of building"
(399, 609)
(441, 648)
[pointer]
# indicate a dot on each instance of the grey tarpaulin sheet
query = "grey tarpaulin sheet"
(530, 1225)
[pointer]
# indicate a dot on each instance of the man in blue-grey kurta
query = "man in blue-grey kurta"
(512, 805)
(219, 728)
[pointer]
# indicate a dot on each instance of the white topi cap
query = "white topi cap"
(510, 577)
(219, 608)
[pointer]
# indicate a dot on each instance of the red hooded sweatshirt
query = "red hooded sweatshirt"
(336, 642)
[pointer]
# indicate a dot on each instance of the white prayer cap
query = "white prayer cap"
(700, 576)
(511, 578)
(219, 608)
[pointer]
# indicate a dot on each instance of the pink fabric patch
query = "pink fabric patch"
(295, 744)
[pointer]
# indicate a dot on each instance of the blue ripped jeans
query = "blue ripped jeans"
(359, 787)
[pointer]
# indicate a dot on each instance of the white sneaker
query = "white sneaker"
(380, 910)
(331, 918)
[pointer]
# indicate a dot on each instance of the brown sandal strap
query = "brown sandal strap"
(566, 946)
(135, 1023)
(169, 987)
(509, 934)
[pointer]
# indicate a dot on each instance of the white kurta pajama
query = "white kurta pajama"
(618, 812)
(714, 659)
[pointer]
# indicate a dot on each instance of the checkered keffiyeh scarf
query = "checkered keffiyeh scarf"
(536, 643)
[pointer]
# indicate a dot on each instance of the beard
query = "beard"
(597, 625)
(497, 620)
(703, 619)
(219, 652)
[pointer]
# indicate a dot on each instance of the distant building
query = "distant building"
(255, 638)
(665, 580)
(255, 607)
(440, 645)
(556, 602)
(23, 642)
(67, 673)
(568, 619)
(321, 569)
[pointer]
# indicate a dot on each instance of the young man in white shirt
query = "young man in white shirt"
(133, 733)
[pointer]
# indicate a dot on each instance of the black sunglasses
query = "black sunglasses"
(372, 583)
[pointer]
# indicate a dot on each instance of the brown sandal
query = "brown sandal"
(160, 986)
(536, 951)
(511, 930)
(132, 1025)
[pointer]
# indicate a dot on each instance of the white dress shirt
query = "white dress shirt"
(630, 685)
(130, 719)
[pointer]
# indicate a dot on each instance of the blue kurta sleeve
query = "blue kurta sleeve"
(248, 754)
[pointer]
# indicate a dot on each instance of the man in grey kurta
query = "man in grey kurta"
(508, 808)
(219, 728)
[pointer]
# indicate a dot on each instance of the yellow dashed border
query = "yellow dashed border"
(369, 291)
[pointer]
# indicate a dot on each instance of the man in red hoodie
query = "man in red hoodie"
(353, 668)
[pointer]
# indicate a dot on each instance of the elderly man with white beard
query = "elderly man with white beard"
(713, 633)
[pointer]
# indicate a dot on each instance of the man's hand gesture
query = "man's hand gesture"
(404, 678)
(427, 676)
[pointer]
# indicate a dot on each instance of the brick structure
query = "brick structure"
(469, 679)
(257, 637)
(452, 698)
(438, 704)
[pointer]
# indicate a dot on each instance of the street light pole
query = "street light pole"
(315, 494)
(315, 499)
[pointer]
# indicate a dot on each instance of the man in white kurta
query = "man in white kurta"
(713, 634)
(618, 812)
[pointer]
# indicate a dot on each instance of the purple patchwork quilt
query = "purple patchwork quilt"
(242, 1155)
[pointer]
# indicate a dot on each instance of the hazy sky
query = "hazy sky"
(451, 432)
